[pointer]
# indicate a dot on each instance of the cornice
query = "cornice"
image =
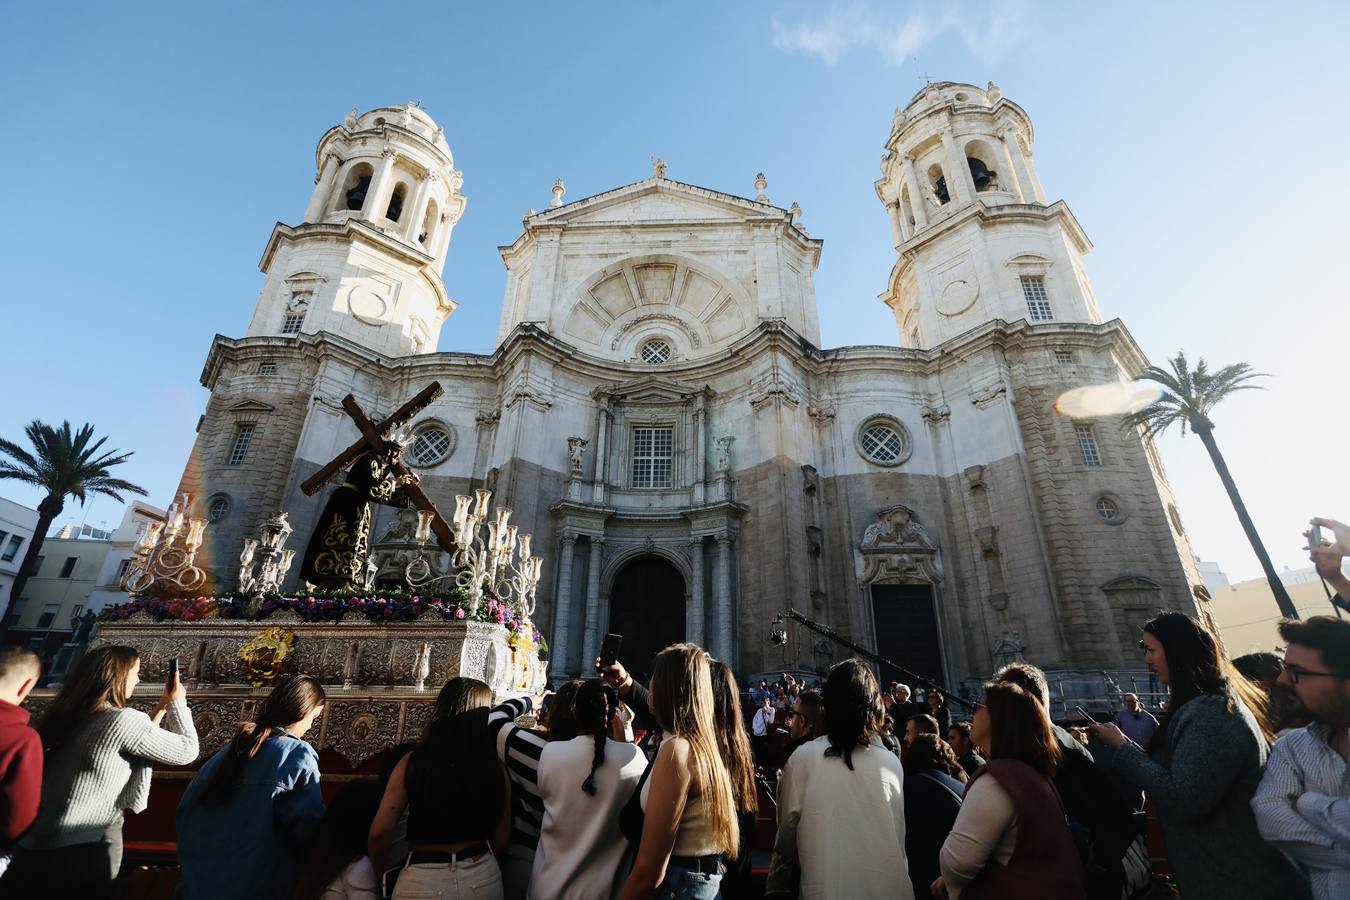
(988, 216)
(771, 336)
(352, 230)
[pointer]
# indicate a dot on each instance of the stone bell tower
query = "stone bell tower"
(365, 264)
(975, 238)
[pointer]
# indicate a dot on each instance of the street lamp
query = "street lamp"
(275, 562)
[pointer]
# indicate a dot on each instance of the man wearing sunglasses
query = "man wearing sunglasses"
(1303, 803)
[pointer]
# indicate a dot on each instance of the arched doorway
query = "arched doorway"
(646, 606)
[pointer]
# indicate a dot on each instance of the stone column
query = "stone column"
(562, 608)
(1025, 183)
(959, 186)
(700, 449)
(601, 453)
(918, 199)
(317, 203)
(418, 209)
(591, 648)
(381, 186)
(897, 226)
(693, 615)
(725, 635)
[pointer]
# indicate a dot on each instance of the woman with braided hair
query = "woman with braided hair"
(584, 782)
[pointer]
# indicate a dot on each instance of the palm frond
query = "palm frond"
(66, 461)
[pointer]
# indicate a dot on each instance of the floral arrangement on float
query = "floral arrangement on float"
(334, 606)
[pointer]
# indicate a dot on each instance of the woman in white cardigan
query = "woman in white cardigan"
(98, 757)
(584, 783)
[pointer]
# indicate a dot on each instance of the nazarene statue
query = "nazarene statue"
(340, 544)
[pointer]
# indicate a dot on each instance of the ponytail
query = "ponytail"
(291, 701)
(594, 708)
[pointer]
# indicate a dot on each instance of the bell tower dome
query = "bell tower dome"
(365, 263)
(974, 236)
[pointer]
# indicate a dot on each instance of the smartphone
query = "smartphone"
(1315, 537)
(172, 672)
(609, 650)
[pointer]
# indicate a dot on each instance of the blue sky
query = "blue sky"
(149, 150)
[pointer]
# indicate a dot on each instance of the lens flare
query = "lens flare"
(1115, 398)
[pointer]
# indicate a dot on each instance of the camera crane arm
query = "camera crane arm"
(829, 633)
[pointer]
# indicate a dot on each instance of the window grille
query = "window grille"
(431, 445)
(655, 352)
(243, 436)
(1064, 357)
(217, 508)
(1087, 445)
(653, 457)
(292, 322)
(1038, 303)
(882, 443)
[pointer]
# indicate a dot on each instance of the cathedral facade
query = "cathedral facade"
(660, 414)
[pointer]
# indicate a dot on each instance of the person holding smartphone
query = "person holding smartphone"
(99, 752)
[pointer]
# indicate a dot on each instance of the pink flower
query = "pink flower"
(459, 613)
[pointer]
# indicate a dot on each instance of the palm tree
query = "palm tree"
(62, 463)
(1189, 396)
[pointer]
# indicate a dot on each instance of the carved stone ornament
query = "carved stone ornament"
(576, 454)
(897, 548)
(724, 443)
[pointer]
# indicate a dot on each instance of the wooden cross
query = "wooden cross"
(373, 439)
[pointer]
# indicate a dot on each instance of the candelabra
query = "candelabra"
(490, 555)
(163, 558)
(275, 562)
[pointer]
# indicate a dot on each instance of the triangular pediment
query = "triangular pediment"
(251, 406)
(650, 389)
(657, 200)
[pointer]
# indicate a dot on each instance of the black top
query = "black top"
(932, 801)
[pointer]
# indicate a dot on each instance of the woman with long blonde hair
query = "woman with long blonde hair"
(690, 826)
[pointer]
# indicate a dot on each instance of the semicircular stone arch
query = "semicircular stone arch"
(687, 302)
(616, 562)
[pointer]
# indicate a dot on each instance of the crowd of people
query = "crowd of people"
(880, 796)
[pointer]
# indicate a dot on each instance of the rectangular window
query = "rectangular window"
(2, 536)
(1038, 304)
(77, 612)
(653, 454)
(243, 436)
(48, 615)
(267, 368)
(11, 551)
(122, 570)
(1064, 357)
(37, 565)
(292, 322)
(1087, 444)
(68, 568)
(16, 609)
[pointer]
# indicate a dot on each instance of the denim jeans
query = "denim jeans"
(686, 884)
(479, 878)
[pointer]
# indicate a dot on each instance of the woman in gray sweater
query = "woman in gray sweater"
(98, 757)
(1202, 767)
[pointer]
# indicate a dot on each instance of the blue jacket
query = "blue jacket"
(253, 844)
